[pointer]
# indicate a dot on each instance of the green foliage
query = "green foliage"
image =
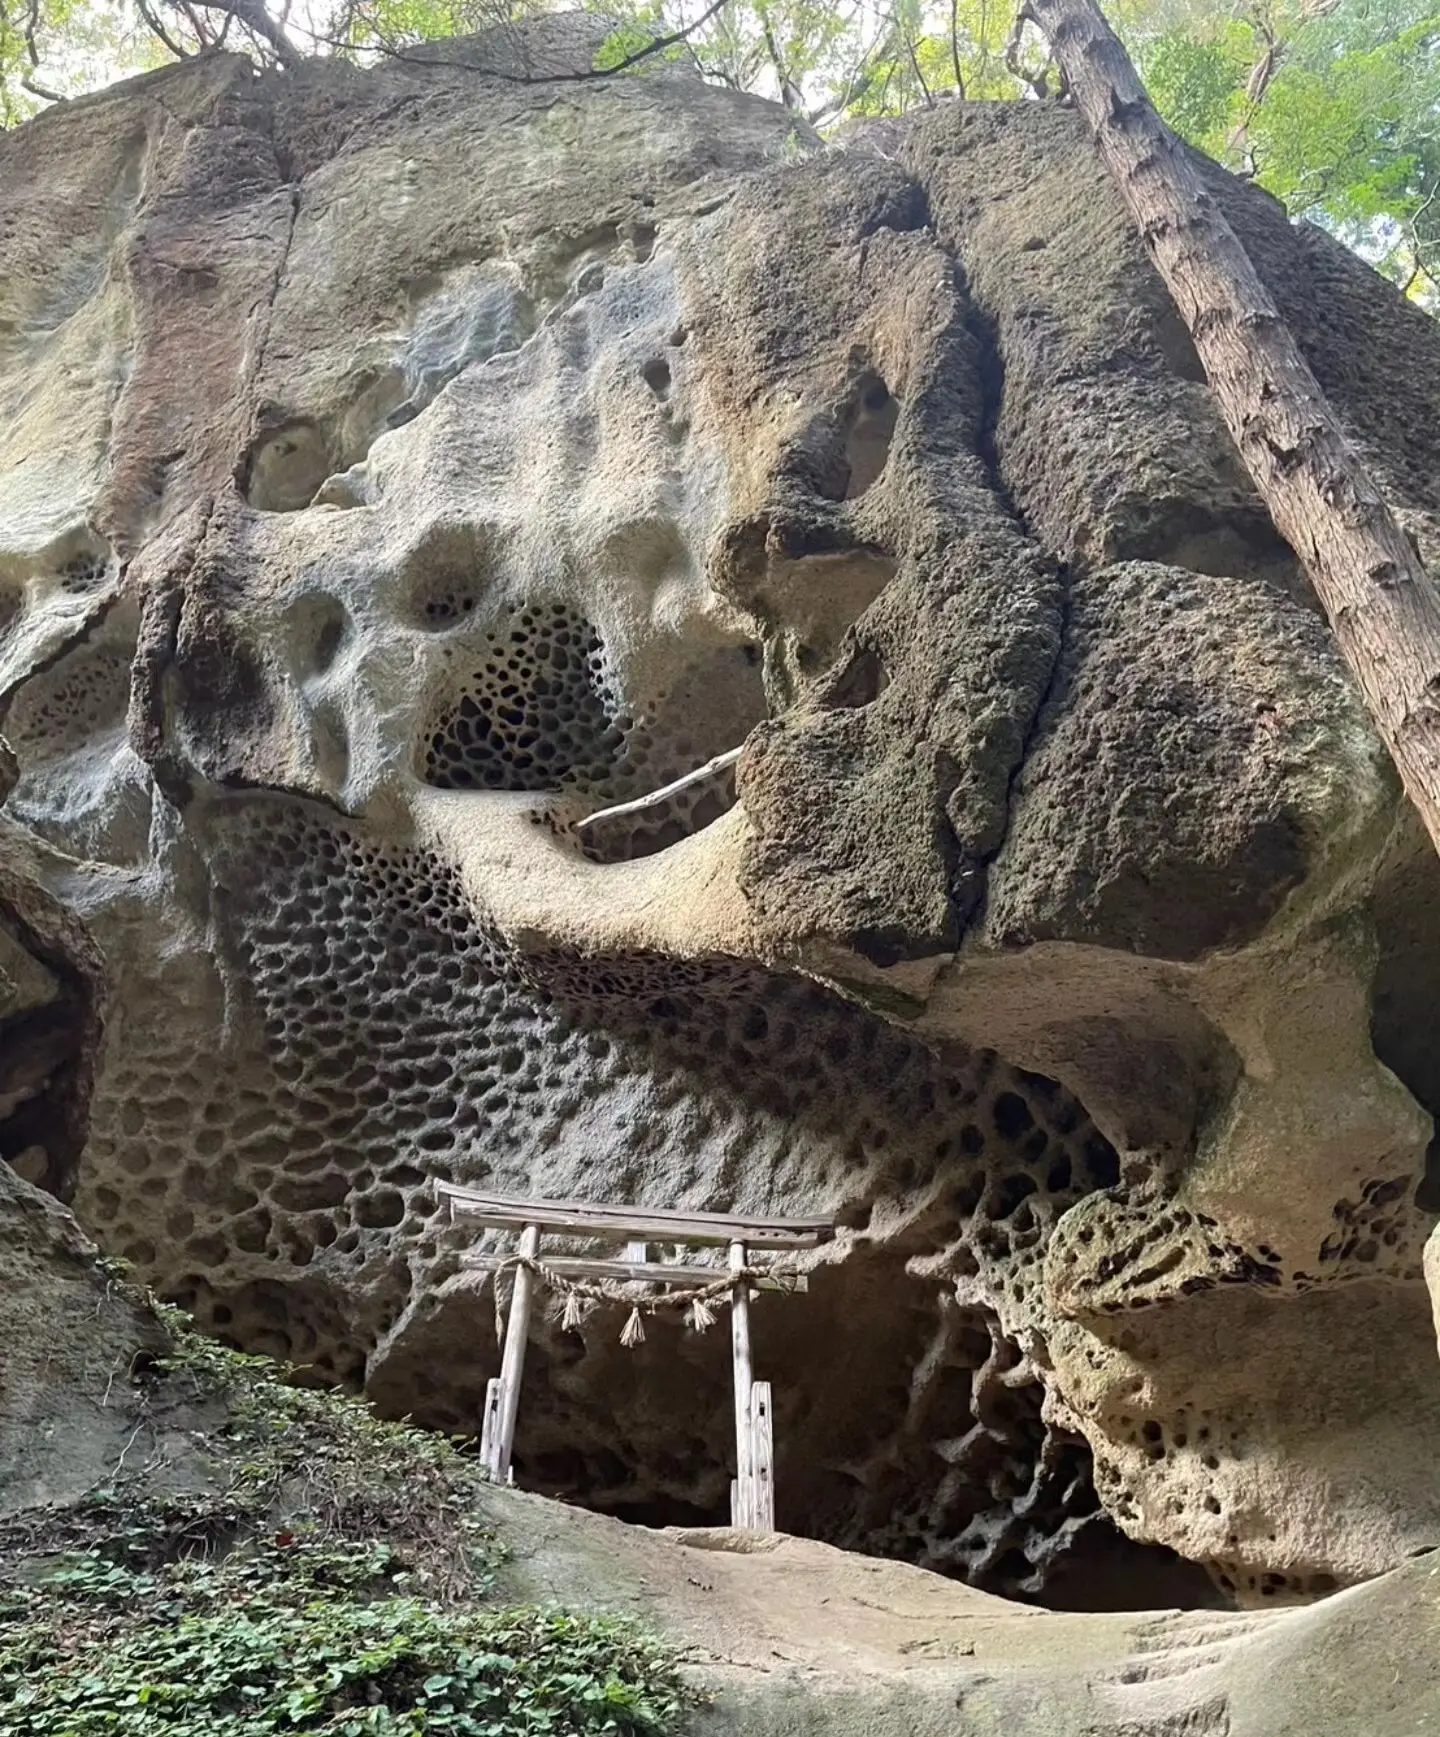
(1347, 131)
(1194, 83)
(621, 47)
(299, 1635)
(827, 60)
(332, 1578)
(358, 1476)
(1331, 104)
(1334, 110)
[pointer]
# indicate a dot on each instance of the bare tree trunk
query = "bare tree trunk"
(1366, 571)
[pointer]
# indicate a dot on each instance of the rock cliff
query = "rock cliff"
(399, 466)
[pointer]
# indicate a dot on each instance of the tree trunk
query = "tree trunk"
(1366, 571)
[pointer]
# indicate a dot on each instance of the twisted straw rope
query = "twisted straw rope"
(695, 1299)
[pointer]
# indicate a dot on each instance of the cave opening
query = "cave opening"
(908, 1421)
(906, 1427)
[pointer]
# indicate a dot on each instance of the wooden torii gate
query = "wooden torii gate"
(752, 1495)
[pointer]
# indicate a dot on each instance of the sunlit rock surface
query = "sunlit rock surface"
(398, 466)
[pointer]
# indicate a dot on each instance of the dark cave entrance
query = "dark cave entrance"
(906, 1427)
(907, 1424)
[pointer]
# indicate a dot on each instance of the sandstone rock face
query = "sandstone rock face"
(70, 1341)
(65, 1335)
(397, 467)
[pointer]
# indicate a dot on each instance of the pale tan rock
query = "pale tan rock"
(401, 465)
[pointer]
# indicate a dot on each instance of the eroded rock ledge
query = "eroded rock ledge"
(397, 466)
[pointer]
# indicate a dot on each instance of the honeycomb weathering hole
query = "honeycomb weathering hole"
(871, 429)
(286, 467)
(533, 710)
(287, 1199)
(905, 1429)
(534, 707)
(78, 706)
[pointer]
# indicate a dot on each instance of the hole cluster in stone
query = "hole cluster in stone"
(285, 1194)
(1381, 1232)
(80, 703)
(83, 573)
(534, 710)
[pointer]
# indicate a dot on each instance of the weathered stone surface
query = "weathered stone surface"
(780, 1635)
(798, 1640)
(67, 1342)
(397, 466)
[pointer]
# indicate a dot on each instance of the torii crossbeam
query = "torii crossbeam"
(752, 1496)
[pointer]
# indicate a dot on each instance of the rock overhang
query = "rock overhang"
(436, 485)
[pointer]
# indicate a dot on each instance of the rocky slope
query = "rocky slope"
(397, 467)
(170, 1479)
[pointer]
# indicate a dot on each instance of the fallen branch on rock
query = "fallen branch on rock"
(638, 803)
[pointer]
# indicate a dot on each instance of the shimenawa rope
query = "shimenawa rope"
(582, 1295)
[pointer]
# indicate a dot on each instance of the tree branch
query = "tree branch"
(153, 24)
(856, 86)
(919, 76)
(1039, 82)
(657, 45)
(199, 29)
(984, 46)
(252, 14)
(1258, 83)
(45, 94)
(789, 91)
(955, 46)
(720, 763)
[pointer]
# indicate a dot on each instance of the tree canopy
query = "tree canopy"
(1330, 104)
